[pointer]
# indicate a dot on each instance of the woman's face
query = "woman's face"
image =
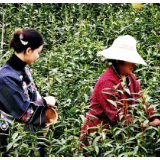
(33, 55)
(125, 68)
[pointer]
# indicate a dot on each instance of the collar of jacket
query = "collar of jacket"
(16, 63)
(116, 71)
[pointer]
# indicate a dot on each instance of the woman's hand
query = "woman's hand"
(155, 122)
(50, 101)
(38, 96)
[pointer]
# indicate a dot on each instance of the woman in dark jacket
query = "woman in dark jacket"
(123, 55)
(19, 99)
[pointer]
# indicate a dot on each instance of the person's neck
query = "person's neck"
(121, 74)
(20, 55)
(123, 77)
(15, 62)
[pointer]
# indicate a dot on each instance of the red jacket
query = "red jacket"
(103, 110)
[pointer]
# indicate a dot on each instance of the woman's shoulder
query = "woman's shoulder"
(108, 79)
(132, 77)
(8, 72)
(109, 76)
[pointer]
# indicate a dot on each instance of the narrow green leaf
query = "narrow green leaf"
(135, 151)
(86, 97)
(96, 139)
(143, 148)
(61, 149)
(14, 136)
(82, 117)
(58, 80)
(112, 102)
(9, 146)
(96, 149)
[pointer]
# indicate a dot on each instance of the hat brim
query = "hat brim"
(123, 54)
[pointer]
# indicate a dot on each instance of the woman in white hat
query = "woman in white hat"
(123, 55)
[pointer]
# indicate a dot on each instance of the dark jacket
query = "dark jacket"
(18, 96)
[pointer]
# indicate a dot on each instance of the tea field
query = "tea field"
(69, 67)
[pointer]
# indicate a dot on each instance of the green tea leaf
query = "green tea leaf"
(135, 150)
(112, 102)
(96, 149)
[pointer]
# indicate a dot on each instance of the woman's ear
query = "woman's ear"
(28, 51)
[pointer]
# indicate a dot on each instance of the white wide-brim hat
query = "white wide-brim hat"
(123, 48)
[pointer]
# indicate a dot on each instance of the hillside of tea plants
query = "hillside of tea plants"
(69, 67)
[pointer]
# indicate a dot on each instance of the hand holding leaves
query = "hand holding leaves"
(38, 95)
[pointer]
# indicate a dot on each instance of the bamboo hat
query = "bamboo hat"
(123, 48)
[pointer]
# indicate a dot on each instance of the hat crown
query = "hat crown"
(126, 42)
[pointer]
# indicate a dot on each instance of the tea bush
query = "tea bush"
(69, 67)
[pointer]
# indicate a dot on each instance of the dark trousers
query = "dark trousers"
(3, 143)
(40, 147)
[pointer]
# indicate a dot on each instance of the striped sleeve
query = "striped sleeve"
(17, 104)
(151, 111)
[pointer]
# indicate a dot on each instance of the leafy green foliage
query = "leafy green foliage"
(69, 67)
